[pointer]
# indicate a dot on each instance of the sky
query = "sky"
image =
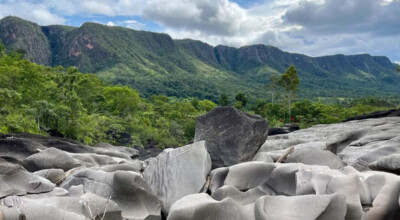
(312, 27)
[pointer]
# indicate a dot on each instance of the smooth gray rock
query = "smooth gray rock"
(356, 143)
(131, 152)
(50, 158)
(54, 175)
(15, 180)
(321, 207)
(248, 175)
(232, 136)
(315, 156)
(88, 206)
(176, 173)
(388, 163)
(218, 177)
(127, 189)
(263, 157)
(202, 206)
(243, 198)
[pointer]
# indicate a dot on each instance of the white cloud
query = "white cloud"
(133, 24)
(397, 62)
(314, 27)
(110, 23)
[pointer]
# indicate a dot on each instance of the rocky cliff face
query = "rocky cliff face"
(155, 63)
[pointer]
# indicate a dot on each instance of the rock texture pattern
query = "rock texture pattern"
(176, 173)
(339, 171)
(232, 136)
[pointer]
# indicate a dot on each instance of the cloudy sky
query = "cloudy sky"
(312, 27)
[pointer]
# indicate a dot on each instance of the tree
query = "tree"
(223, 100)
(273, 86)
(289, 82)
(2, 48)
(241, 100)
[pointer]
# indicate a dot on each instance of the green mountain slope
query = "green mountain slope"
(155, 63)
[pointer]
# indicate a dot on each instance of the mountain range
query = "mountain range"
(154, 63)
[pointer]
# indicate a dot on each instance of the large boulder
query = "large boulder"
(50, 158)
(232, 136)
(315, 156)
(87, 206)
(357, 143)
(15, 180)
(127, 189)
(202, 206)
(176, 173)
(322, 207)
(389, 163)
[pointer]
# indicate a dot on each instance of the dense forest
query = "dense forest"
(62, 101)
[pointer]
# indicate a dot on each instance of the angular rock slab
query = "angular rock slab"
(232, 136)
(127, 189)
(179, 172)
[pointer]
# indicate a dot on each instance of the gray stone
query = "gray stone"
(248, 175)
(218, 177)
(131, 152)
(321, 207)
(387, 163)
(15, 180)
(243, 198)
(54, 175)
(202, 206)
(127, 189)
(263, 157)
(50, 158)
(176, 173)
(232, 136)
(357, 143)
(315, 156)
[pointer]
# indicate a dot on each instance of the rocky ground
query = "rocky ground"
(232, 170)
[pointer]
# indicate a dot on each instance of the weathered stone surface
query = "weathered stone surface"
(263, 157)
(50, 158)
(248, 175)
(131, 152)
(315, 156)
(202, 206)
(388, 163)
(15, 180)
(54, 175)
(127, 189)
(357, 143)
(323, 207)
(176, 173)
(88, 206)
(232, 136)
(287, 128)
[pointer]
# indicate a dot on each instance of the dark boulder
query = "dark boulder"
(287, 128)
(232, 136)
(379, 114)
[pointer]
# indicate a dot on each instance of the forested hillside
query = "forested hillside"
(64, 102)
(154, 63)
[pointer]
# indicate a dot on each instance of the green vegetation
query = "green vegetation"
(154, 63)
(54, 100)
(40, 99)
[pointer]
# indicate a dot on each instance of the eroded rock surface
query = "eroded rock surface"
(176, 173)
(232, 136)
